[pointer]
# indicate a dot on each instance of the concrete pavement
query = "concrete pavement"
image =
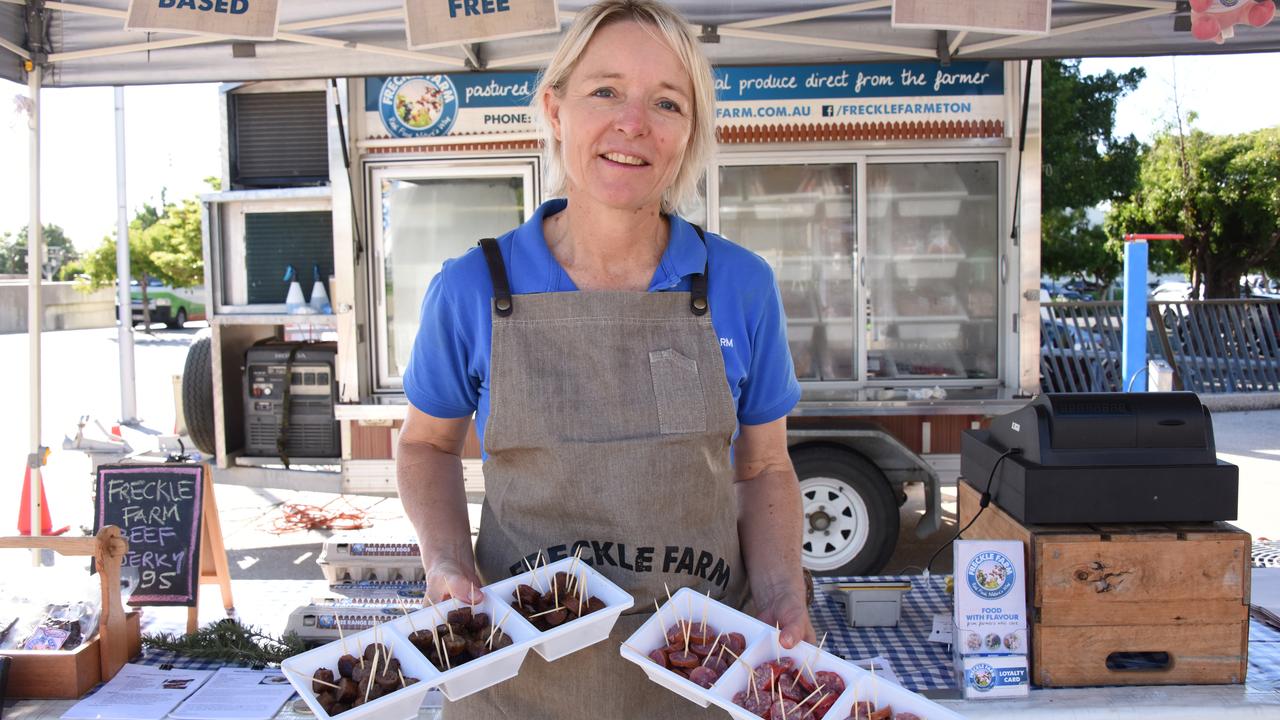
(80, 377)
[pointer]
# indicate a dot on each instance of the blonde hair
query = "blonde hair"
(670, 27)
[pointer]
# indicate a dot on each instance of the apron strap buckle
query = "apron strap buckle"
(498, 275)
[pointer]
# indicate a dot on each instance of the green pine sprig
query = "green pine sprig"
(228, 641)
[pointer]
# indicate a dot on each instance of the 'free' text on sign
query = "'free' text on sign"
(476, 7)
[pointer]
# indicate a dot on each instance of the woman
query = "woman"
(613, 355)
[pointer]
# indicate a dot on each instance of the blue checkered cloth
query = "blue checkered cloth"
(1264, 655)
(923, 665)
(918, 663)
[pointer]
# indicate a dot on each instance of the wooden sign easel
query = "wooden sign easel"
(213, 554)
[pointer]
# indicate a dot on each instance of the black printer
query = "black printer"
(1103, 458)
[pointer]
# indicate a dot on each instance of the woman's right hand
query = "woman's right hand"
(449, 579)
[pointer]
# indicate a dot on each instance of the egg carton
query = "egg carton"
(395, 628)
(358, 558)
(762, 644)
(319, 620)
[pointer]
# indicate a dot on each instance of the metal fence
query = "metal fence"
(1213, 346)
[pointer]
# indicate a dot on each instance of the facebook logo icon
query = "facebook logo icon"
(828, 110)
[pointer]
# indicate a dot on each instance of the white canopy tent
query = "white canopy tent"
(51, 43)
(84, 42)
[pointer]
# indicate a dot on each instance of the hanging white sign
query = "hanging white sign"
(432, 23)
(249, 19)
(1013, 17)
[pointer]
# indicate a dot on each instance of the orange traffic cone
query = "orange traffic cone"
(24, 510)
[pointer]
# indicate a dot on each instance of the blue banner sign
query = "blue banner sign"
(495, 102)
(861, 80)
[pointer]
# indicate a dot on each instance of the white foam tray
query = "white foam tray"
(399, 705)
(762, 644)
(482, 672)
(581, 632)
(477, 674)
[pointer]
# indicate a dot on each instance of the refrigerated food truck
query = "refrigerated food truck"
(889, 174)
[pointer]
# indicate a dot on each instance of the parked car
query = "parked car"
(171, 306)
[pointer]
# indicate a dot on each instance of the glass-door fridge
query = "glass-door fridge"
(422, 214)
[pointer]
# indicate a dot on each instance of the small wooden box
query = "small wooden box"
(65, 675)
(1101, 597)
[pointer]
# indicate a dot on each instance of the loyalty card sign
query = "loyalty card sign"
(250, 19)
(995, 676)
(990, 597)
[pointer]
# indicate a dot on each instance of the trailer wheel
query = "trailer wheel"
(179, 321)
(197, 394)
(850, 513)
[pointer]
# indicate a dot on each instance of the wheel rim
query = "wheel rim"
(836, 523)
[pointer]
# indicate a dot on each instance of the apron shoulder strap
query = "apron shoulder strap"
(698, 284)
(498, 275)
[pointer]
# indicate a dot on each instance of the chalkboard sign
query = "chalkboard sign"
(158, 510)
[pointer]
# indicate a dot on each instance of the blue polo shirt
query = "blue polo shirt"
(448, 373)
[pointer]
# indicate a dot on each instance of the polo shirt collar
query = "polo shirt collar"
(685, 255)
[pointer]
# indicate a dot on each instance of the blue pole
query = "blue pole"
(1134, 352)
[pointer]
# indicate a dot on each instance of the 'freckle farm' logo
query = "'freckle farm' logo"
(418, 106)
(982, 676)
(990, 575)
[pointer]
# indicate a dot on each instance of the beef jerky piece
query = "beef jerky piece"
(526, 597)
(345, 663)
(325, 676)
(703, 676)
(387, 682)
(476, 648)
(479, 624)
(459, 617)
(501, 640)
(378, 648)
(423, 641)
(736, 643)
(347, 690)
(720, 665)
(556, 618)
(682, 659)
(454, 646)
(593, 604)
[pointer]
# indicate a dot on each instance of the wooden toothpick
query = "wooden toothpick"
(704, 613)
(312, 679)
(713, 647)
(337, 620)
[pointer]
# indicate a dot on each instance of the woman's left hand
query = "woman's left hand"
(787, 611)
(769, 524)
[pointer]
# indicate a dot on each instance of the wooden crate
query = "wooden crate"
(43, 674)
(1098, 591)
(65, 675)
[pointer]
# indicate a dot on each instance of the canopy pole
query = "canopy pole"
(35, 249)
(128, 394)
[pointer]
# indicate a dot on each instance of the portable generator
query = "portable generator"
(294, 381)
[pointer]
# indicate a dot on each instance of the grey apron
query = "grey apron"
(609, 430)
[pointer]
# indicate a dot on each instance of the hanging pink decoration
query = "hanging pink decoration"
(1216, 19)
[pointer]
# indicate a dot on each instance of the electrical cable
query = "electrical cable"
(982, 505)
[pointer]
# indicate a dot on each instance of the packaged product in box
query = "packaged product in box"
(993, 676)
(990, 598)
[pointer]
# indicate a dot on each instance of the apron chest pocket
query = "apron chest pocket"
(678, 390)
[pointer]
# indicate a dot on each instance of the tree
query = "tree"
(58, 252)
(1085, 164)
(1222, 192)
(164, 243)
